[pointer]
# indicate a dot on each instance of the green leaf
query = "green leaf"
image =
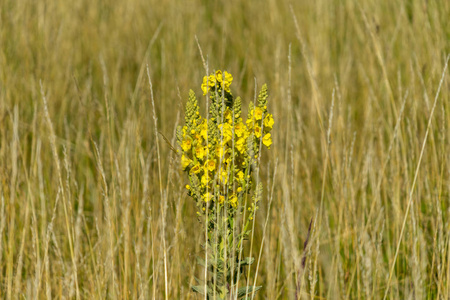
(201, 289)
(247, 290)
(198, 289)
(247, 261)
(200, 261)
(198, 280)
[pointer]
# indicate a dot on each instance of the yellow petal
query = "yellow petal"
(267, 140)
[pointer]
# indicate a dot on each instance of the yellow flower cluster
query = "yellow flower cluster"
(217, 153)
(221, 80)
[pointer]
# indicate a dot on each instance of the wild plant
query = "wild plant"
(220, 153)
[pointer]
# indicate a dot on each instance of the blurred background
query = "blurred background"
(361, 104)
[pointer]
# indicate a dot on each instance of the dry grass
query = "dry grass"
(92, 207)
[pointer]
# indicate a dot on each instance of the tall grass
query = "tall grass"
(92, 198)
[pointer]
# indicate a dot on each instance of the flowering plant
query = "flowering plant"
(220, 153)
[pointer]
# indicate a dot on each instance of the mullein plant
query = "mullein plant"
(220, 154)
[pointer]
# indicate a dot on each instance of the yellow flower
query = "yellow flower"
(204, 129)
(228, 77)
(200, 152)
(219, 76)
(208, 82)
(250, 122)
(228, 80)
(224, 177)
(228, 116)
(205, 87)
(215, 163)
(210, 165)
(233, 200)
(212, 80)
(205, 179)
(226, 131)
(258, 113)
(196, 169)
(206, 197)
(268, 121)
(267, 140)
(185, 161)
(224, 79)
(186, 145)
(239, 129)
(257, 131)
(220, 151)
(198, 138)
(240, 145)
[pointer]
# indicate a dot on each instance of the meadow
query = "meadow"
(356, 197)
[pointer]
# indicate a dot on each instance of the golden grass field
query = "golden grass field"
(360, 93)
